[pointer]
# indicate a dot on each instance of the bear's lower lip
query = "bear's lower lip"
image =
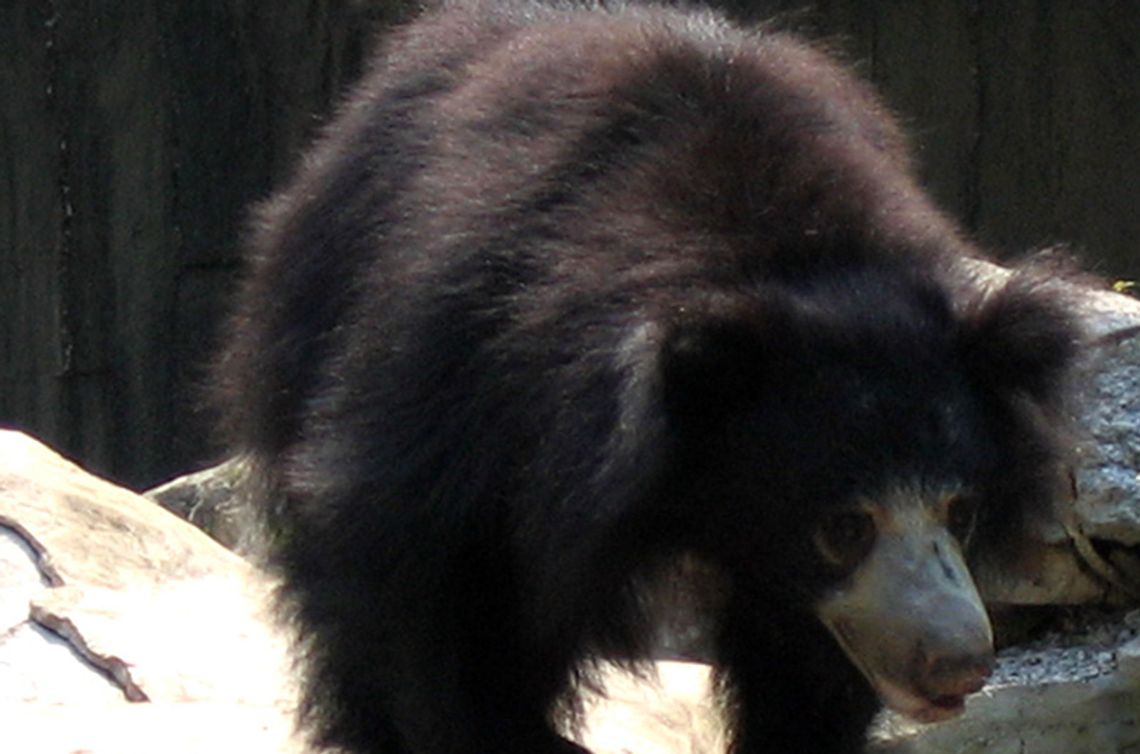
(937, 710)
(918, 706)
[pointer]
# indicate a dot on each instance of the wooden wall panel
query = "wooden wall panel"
(134, 135)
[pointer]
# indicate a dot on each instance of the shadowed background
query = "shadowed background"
(134, 134)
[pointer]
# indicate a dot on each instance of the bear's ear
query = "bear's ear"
(1022, 335)
(711, 364)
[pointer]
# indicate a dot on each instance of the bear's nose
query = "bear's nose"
(954, 674)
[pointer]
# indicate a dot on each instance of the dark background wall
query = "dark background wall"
(133, 134)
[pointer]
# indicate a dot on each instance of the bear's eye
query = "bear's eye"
(961, 516)
(845, 537)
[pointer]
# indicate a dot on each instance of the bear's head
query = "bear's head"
(858, 434)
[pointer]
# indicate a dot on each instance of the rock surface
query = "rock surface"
(213, 500)
(123, 628)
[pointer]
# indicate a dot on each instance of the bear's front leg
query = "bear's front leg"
(418, 657)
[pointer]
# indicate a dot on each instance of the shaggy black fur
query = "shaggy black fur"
(569, 289)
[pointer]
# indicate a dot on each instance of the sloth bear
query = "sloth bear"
(570, 291)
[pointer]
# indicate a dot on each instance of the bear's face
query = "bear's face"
(906, 611)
